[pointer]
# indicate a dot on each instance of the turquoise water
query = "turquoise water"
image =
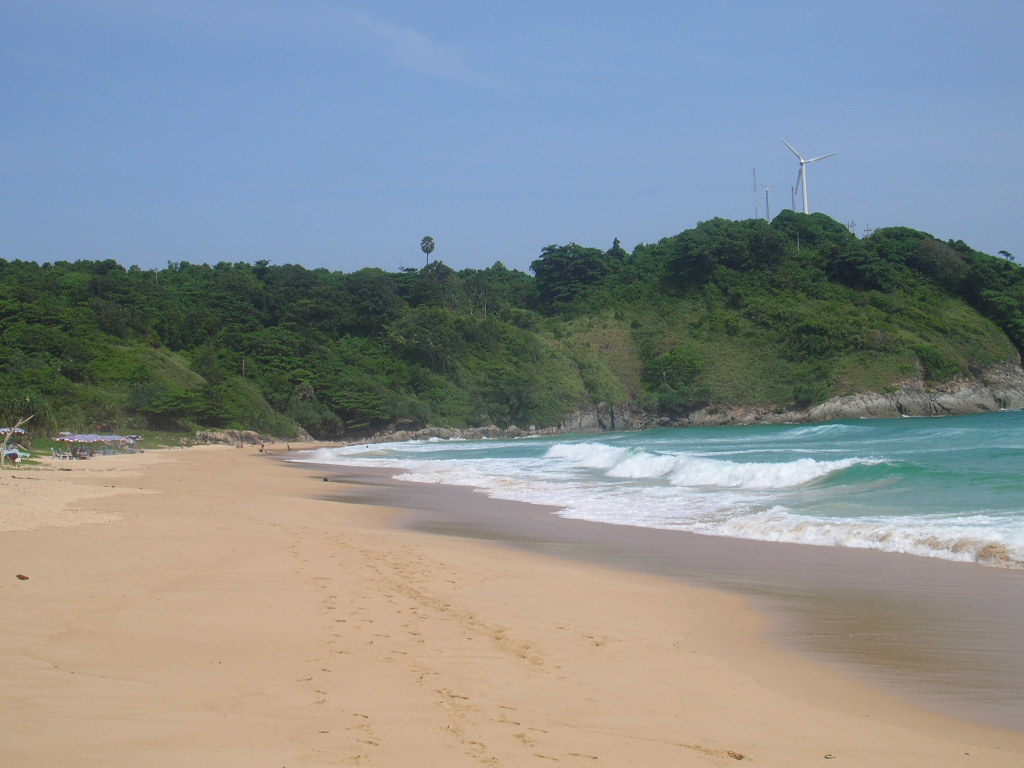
(948, 487)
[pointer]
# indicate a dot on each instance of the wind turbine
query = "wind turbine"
(801, 177)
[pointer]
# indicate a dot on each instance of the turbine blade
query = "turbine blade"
(821, 158)
(799, 178)
(792, 150)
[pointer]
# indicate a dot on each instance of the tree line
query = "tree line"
(727, 313)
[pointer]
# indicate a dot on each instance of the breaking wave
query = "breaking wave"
(974, 540)
(686, 469)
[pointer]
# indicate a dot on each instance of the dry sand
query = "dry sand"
(201, 607)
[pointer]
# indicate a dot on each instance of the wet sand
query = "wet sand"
(949, 635)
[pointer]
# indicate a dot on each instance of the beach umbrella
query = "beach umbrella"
(71, 437)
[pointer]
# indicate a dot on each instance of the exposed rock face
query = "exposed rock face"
(470, 433)
(246, 436)
(605, 418)
(229, 436)
(1001, 387)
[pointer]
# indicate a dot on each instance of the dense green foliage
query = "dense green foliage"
(728, 313)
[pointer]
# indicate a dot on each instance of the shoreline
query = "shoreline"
(216, 607)
(944, 634)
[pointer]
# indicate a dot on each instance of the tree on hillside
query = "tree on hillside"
(814, 230)
(616, 254)
(738, 245)
(499, 287)
(436, 284)
(565, 272)
(374, 298)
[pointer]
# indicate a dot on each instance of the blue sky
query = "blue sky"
(337, 134)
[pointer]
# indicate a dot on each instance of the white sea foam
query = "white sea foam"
(644, 465)
(949, 490)
(727, 474)
(593, 455)
(684, 469)
(989, 542)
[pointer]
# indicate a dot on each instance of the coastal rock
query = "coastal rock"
(482, 433)
(229, 437)
(247, 437)
(870, 405)
(603, 417)
(998, 388)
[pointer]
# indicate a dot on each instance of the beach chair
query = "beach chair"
(60, 454)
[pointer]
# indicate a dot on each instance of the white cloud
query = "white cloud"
(415, 51)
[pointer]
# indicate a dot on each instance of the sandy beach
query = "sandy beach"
(217, 607)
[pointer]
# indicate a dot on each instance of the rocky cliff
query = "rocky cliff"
(999, 388)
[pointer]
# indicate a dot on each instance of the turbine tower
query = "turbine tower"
(801, 177)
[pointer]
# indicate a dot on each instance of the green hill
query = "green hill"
(727, 315)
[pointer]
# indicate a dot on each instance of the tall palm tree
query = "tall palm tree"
(427, 246)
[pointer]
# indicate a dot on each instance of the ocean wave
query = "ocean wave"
(692, 471)
(687, 469)
(317, 456)
(588, 455)
(968, 540)
(830, 429)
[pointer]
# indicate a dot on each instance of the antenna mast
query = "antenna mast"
(755, 195)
